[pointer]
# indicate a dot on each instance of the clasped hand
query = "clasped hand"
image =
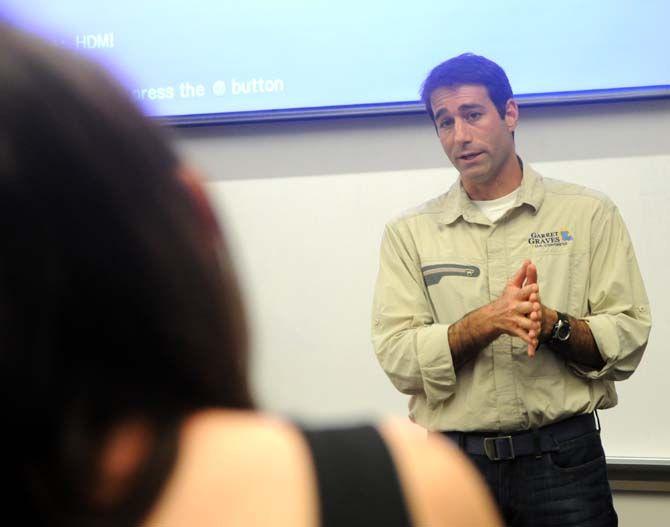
(518, 311)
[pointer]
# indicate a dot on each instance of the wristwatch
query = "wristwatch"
(561, 331)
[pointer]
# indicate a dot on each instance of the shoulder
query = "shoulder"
(405, 229)
(243, 468)
(432, 208)
(238, 468)
(440, 484)
(558, 190)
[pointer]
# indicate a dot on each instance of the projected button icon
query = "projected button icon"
(219, 88)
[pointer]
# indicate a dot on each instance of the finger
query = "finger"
(534, 297)
(535, 330)
(537, 310)
(524, 308)
(533, 342)
(525, 323)
(540, 317)
(520, 275)
(526, 291)
(531, 274)
(523, 335)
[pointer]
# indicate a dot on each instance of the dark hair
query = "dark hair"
(117, 300)
(468, 68)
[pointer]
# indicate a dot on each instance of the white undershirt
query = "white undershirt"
(493, 209)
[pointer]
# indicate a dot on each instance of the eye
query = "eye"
(474, 116)
(446, 123)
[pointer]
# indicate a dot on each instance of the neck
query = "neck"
(505, 181)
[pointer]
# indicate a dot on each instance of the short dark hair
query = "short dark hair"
(468, 68)
(115, 303)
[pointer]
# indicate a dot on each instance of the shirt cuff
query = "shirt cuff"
(436, 363)
(604, 331)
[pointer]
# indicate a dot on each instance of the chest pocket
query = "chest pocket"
(454, 289)
(432, 274)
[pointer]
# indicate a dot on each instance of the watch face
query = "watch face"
(563, 331)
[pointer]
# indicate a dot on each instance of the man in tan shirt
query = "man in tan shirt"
(507, 308)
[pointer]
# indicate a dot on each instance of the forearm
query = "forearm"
(470, 335)
(580, 348)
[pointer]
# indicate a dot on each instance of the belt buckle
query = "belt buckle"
(492, 451)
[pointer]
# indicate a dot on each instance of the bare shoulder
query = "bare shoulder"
(441, 486)
(238, 468)
(247, 469)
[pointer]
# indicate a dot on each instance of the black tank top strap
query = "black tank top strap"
(357, 479)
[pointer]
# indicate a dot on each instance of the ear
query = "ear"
(194, 185)
(511, 114)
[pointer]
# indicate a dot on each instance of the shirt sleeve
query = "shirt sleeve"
(619, 314)
(411, 347)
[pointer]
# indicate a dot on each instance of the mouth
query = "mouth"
(470, 156)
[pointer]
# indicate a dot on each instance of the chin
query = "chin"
(476, 175)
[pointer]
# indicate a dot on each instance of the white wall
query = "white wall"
(377, 144)
(642, 509)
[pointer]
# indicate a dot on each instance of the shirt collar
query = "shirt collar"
(457, 203)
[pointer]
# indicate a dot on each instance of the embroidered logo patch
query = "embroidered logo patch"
(550, 239)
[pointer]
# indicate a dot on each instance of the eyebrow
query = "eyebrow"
(461, 108)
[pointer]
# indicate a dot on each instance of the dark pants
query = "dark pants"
(567, 487)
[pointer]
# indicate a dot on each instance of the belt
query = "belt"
(525, 443)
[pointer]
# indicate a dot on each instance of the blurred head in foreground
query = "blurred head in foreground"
(118, 302)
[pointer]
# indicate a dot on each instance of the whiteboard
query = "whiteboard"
(307, 248)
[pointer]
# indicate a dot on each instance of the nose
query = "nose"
(461, 131)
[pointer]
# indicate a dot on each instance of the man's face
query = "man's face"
(475, 138)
